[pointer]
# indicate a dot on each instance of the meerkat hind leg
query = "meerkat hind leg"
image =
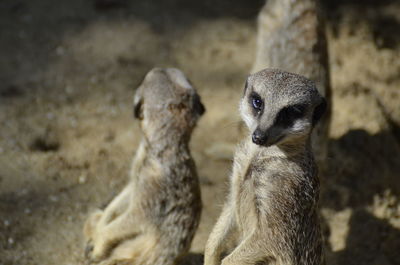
(247, 252)
(103, 217)
(219, 234)
(139, 250)
(116, 207)
(96, 222)
(123, 227)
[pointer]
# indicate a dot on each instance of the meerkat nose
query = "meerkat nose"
(259, 137)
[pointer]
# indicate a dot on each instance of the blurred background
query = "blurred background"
(68, 72)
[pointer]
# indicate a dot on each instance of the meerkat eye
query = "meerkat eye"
(256, 101)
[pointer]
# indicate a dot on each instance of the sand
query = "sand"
(68, 73)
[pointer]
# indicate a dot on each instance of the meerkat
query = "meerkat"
(271, 212)
(153, 220)
(291, 37)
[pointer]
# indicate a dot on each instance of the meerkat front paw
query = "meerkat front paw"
(88, 249)
(99, 250)
(89, 231)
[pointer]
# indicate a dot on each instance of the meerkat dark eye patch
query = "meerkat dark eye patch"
(256, 102)
(289, 114)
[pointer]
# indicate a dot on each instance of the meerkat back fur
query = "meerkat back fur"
(291, 37)
(153, 220)
(271, 213)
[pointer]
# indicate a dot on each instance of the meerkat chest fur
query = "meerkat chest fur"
(270, 185)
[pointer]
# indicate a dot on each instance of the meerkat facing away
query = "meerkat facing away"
(153, 220)
(271, 213)
(291, 37)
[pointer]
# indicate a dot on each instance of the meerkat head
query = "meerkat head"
(280, 107)
(166, 101)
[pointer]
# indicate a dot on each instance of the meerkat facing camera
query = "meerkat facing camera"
(291, 37)
(153, 220)
(271, 211)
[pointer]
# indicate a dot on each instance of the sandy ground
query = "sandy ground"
(67, 76)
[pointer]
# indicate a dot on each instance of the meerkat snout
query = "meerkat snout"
(279, 107)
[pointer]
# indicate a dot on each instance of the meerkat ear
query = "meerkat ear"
(245, 86)
(319, 111)
(198, 106)
(138, 105)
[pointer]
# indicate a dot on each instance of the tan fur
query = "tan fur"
(270, 214)
(153, 220)
(291, 37)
